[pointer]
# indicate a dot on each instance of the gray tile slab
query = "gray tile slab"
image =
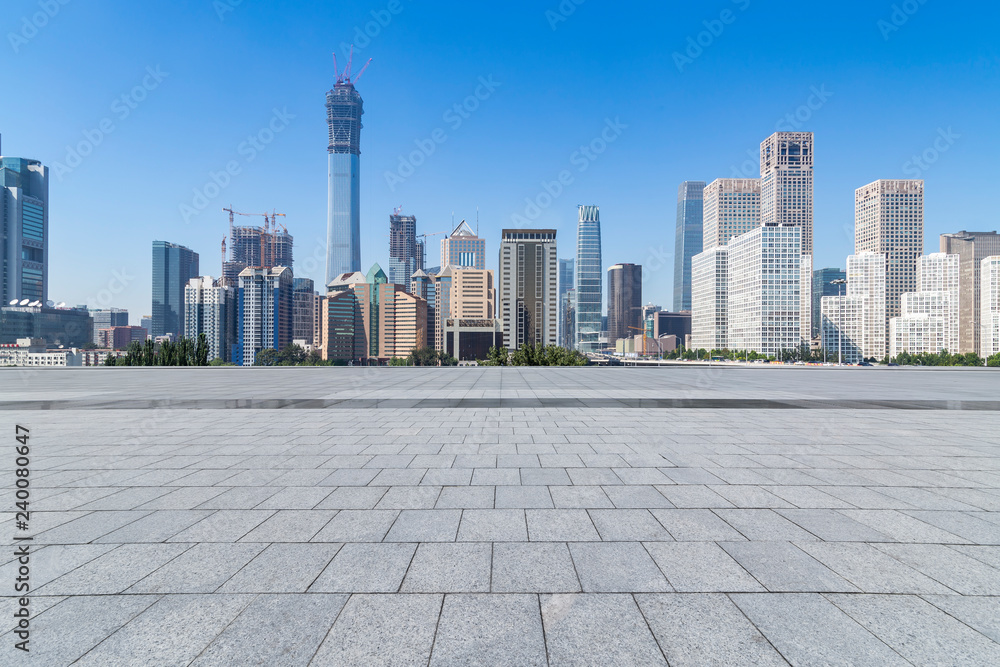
(382, 629)
(902, 527)
(521, 567)
(366, 568)
(584, 497)
(919, 631)
(617, 567)
(501, 525)
(871, 570)
(357, 526)
(290, 526)
(571, 525)
(635, 525)
(466, 497)
(114, 571)
(583, 629)
(636, 497)
(157, 526)
(762, 525)
(200, 569)
(490, 630)
(782, 567)
(282, 568)
(693, 496)
(979, 613)
(88, 528)
(409, 498)
(353, 498)
(807, 629)
(701, 630)
(425, 526)
(832, 526)
(694, 525)
(972, 526)
(698, 567)
(223, 526)
(522, 497)
(275, 630)
(50, 562)
(175, 630)
(450, 568)
(955, 570)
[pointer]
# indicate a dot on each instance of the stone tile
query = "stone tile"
(425, 526)
(173, 631)
(496, 476)
(493, 526)
(382, 629)
(200, 569)
(522, 497)
(636, 497)
(490, 630)
(282, 568)
(357, 526)
(617, 567)
(295, 498)
(693, 525)
(239, 498)
(901, 527)
(832, 526)
(223, 526)
(544, 476)
(693, 496)
(919, 631)
(53, 561)
(871, 570)
(450, 568)
(764, 525)
(782, 567)
(808, 629)
(579, 497)
(275, 630)
(597, 630)
(87, 528)
(967, 525)
(447, 477)
(353, 498)
(701, 567)
(745, 496)
(290, 526)
(985, 554)
(366, 568)
(114, 571)
(409, 498)
(957, 571)
(628, 526)
(560, 526)
(520, 567)
(705, 630)
(466, 497)
(979, 613)
(593, 476)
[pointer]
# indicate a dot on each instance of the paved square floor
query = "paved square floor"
(593, 516)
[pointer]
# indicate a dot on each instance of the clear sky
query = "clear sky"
(163, 95)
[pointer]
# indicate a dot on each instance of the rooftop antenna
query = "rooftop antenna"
(477, 221)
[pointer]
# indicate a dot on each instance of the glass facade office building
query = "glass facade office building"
(24, 228)
(821, 287)
(589, 280)
(344, 108)
(173, 266)
(688, 239)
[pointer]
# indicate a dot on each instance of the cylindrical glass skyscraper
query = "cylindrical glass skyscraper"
(344, 108)
(589, 280)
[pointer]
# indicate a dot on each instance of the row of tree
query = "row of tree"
(184, 352)
(531, 355)
(803, 353)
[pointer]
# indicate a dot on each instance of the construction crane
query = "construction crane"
(643, 330)
(266, 233)
(345, 76)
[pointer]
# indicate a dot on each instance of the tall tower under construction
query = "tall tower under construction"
(344, 108)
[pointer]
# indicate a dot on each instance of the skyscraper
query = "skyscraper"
(463, 247)
(108, 318)
(709, 298)
(24, 222)
(344, 108)
(252, 246)
(989, 307)
(589, 280)
(305, 310)
(866, 281)
(972, 248)
(688, 239)
(822, 280)
(173, 266)
(731, 208)
(889, 220)
(402, 248)
(529, 287)
(210, 309)
(565, 284)
(624, 302)
(786, 183)
(265, 313)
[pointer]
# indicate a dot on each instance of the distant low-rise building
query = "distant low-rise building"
(119, 338)
(59, 327)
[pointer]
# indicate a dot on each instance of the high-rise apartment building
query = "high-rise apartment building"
(344, 108)
(731, 208)
(972, 248)
(989, 307)
(463, 247)
(709, 299)
(264, 313)
(889, 219)
(842, 326)
(346, 318)
(529, 282)
(106, 318)
(566, 283)
(589, 280)
(928, 320)
(402, 248)
(822, 285)
(786, 183)
(173, 266)
(305, 310)
(687, 239)
(866, 281)
(24, 223)
(624, 302)
(210, 309)
(764, 289)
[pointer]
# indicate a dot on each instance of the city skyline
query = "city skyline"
(845, 101)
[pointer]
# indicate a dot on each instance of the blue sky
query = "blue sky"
(879, 83)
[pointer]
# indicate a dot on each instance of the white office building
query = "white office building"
(709, 284)
(843, 327)
(928, 320)
(731, 208)
(764, 289)
(989, 307)
(786, 183)
(866, 280)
